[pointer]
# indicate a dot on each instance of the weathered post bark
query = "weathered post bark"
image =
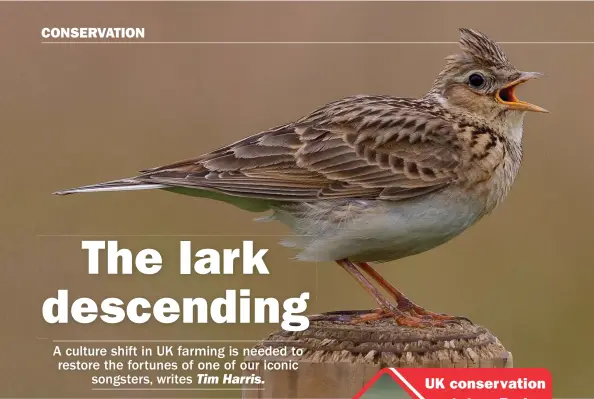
(338, 358)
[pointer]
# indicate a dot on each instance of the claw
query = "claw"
(401, 318)
(346, 316)
(427, 315)
(466, 319)
(411, 318)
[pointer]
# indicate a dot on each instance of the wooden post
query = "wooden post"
(339, 358)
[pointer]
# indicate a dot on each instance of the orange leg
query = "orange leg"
(387, 308)
(404, 304)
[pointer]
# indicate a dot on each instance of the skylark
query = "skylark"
(375, 178)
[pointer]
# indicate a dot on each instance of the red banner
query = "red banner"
(467, 383)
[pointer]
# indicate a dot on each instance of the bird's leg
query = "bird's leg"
(387, 308)
(405, 304)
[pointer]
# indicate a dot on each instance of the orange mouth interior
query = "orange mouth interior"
(508, 95)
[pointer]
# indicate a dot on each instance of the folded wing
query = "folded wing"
(361, 147)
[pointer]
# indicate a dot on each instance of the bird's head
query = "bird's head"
(481, 80)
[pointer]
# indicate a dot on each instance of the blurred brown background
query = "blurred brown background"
(80, 114)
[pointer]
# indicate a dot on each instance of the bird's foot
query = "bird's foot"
(406, 306)
(408, 319)
(418, 318)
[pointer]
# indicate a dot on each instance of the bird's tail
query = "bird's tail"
(114, 185)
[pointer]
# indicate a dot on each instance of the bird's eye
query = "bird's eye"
(476, 80)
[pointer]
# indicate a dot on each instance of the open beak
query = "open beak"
(507, 96)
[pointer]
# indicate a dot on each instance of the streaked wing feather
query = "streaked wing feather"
(361, 147)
